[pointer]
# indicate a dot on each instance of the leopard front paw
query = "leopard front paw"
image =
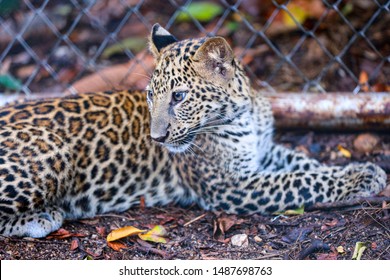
(364, 179)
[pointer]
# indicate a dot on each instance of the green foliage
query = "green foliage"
(9, 82)
(8, 6)
(202, 11)
(360, 247)
(135, 44)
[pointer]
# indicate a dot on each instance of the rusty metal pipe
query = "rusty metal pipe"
(331, 111)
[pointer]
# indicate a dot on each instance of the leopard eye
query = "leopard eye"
(149, 95)
(178, 96)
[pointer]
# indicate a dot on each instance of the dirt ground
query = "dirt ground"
(193, 233)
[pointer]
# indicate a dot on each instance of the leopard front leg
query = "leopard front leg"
(35, 173)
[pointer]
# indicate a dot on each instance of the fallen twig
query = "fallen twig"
(267, 257)
(194, 220)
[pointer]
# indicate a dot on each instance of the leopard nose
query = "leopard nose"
(161, 139)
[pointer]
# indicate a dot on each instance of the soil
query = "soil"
(193, 233)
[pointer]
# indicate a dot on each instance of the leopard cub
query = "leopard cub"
(199, 133)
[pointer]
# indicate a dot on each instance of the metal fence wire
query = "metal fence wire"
(296, 45)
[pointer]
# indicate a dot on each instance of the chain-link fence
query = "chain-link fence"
(296, 45)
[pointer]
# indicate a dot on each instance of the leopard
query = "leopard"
(198, 134)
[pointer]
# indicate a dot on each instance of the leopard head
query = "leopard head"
(197, 84)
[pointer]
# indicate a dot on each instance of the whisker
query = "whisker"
(142, 75)
(191, 151)
(197, 146)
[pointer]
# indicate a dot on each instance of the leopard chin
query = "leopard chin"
(176, 149)
(181, 145)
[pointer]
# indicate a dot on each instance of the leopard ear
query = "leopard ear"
(214, 58)
(159, 38)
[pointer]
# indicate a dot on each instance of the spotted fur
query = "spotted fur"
(198, 134)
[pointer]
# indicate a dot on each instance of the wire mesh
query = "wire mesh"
(296, 45)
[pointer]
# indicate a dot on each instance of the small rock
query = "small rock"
(365, 142)
(240, 240)
(333, 155)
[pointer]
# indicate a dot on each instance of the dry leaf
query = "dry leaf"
(74, 244)
(363, 81)
(344, 151)
(101, 231)
(340, 250)
(222, 224)
(123, 232)
(60, 232)
(63, 233)
(164, 219)
(156, 234)
(116, 245)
